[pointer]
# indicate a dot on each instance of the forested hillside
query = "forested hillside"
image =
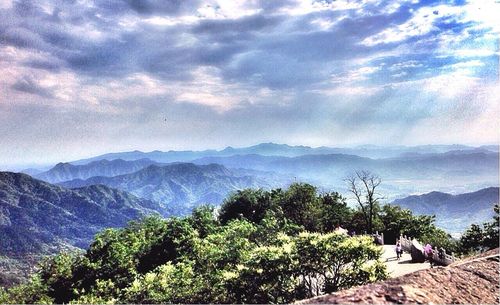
(179, 186)
(38, 217)
(261, 247)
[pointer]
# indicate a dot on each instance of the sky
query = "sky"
(80, 78)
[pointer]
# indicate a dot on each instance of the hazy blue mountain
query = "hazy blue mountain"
(158, 156)
(284, 150)
(454, 213)
(32, 171)
(285, 164)
(250, 161)
(494, 148)
(38, 217)
(67, 171)
(180, 186)
(272, 149)
(457, 170)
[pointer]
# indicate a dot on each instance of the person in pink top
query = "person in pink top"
(429, 254)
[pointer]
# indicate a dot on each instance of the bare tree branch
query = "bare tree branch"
(363, 184)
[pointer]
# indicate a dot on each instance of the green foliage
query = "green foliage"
(300, 205)
(480, 238)
(33, 292)
(169, 283)
(249, 204)
(203, 220)
(333, 211)
(397, 221)
(225, 248)
(440, 239)
(4, 296)
(57, 274)
(266, 276)
(176, 239)
(264, 247)
(104, 292)
(336, 261)
(491, 234)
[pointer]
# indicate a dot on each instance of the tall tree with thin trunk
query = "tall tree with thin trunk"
(363, 185)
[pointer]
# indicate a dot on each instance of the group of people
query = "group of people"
(428, 253)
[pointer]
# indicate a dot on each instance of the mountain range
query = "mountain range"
(179, 186)
(416, 170)
(273, 149)
(64, 206)
(106, 168)
(454, 212)
(177, 181)
(38, 217)
(468, 169)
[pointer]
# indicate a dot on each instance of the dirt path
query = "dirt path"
(403, 266)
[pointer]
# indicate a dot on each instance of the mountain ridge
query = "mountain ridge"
(39, 217)
(274, 149)
(180, 186)
(454, 212)
(103, 167)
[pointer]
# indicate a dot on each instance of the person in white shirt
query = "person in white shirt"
(399, 250)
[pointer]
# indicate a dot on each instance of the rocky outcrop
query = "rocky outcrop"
(417, 252)
(472, 281)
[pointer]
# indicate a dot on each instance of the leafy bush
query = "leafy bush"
(480, 238)
(264, 247)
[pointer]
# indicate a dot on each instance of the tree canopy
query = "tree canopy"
(260, 246)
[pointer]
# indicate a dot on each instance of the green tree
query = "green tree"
(472, 240)
(333, 211)
(57, 273)
(35, 291)
(329, 262)
(477, 238)
(491, 236)
(203, 220)
(300, 204)
(249, 204)
(266, 276)
(168, 283)
(176, 239)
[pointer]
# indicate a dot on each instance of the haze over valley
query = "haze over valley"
(172, 183)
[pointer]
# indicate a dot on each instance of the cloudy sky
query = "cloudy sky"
(80, 77)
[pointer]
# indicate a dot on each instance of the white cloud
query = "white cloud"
(354, 75)
(231, 9)
(405, 65)
(6, 4)
(483, 12)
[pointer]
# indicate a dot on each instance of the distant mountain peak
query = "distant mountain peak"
(102, 167)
